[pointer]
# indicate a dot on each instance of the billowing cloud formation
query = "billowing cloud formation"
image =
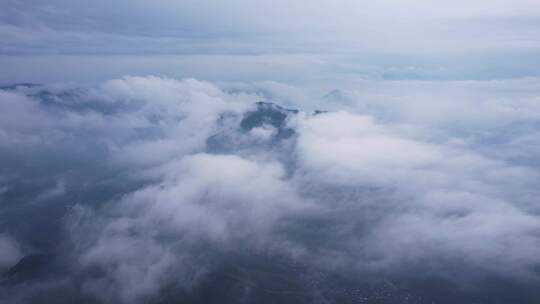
(165, 189)
(448, 200)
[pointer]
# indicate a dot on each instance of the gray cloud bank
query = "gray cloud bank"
(147, 189)
(61, 40)
(61, 26)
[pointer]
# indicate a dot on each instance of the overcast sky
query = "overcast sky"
(393, 39)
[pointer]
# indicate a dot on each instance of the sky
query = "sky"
(418, 39)
(270, 151)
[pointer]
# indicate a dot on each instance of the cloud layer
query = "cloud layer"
(271, 40)
(147, 189)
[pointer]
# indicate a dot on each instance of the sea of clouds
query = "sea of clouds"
(142, 188)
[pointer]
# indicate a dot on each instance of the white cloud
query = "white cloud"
(372, 192)
(440, 201)
(156, 233)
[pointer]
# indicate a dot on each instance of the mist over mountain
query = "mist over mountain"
(240, 151)
(156, 190)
